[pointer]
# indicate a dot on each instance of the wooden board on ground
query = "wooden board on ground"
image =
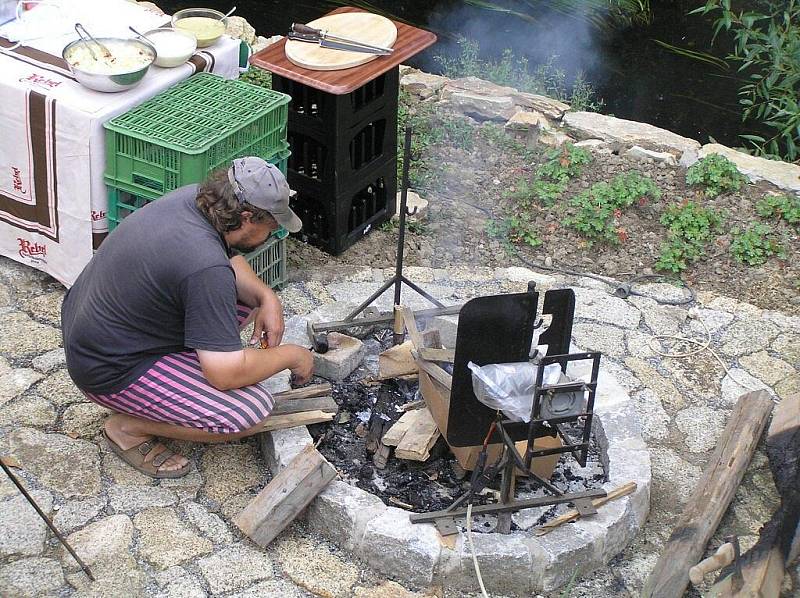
(364, 27)
(711, 497)
(280, 422)
(289, 492)
(573, 515)
(285, 407)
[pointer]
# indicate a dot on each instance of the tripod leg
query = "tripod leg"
(507, 484)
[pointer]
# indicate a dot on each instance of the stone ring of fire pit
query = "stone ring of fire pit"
(512, 564)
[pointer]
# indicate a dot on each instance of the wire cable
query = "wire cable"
(472, 552)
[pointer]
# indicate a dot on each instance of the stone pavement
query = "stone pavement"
(173, 538)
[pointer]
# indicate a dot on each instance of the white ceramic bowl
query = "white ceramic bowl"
(173, 46)
(191, 18)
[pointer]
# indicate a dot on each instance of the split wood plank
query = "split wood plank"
(282, 500)
(436, 372)
(397, 361)
(411, 326)
(446, 355)
(307, 392)
(285, 407)
(711, 497)
(395, 434)
(292, 420)
(572, 514)
(417, 442)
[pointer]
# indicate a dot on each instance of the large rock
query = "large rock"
(132, 499)
(84, 420)
(102, 541)
(78, 513)
(591, 125)
(22, 336)
(15, 382)
(422, 84)
(71, 467)
(165, 540)
(23, 531)
(313, 566)
(28, 411)
(230, 468)
(781, 174)
(235, 568)
(31, 578)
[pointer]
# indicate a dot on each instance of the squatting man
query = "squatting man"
(152, 325)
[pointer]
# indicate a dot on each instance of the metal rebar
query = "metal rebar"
(46, 519)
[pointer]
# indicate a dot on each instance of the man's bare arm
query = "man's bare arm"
(235, 369)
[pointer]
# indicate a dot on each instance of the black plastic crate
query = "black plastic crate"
(324, 111)
(336, 162)
(335, 222)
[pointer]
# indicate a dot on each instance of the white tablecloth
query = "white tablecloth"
(53, 200)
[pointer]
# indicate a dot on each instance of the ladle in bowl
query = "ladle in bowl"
(142, 35)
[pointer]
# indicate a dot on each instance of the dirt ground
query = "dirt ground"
(467, 189)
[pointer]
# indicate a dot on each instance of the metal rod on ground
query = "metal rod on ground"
(46, 519)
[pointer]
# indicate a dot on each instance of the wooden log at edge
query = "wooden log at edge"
(307, 392)
(287, 494)
(284, 407)
(280, 422)
(711, 497)
(763, 566)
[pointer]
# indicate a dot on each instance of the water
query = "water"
(637, 78)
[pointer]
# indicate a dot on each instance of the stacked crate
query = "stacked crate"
(177, 137)
(343, 159)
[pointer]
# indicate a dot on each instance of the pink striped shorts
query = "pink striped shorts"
(174, 391)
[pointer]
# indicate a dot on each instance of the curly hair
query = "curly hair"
(218, 203)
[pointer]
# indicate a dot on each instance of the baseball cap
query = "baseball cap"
(263, 185)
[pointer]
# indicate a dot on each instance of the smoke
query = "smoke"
(571, 38)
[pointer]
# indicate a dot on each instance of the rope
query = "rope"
(701, 346)
(472, 552)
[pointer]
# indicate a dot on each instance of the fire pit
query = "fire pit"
(367, 511)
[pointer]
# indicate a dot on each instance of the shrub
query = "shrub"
(755, 244)
(786, 207)
(598, 210)
(716, 173)
(690, 227)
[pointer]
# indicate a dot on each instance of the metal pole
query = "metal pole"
(46, 520)
(401, 237)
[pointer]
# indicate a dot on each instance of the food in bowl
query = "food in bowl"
(205, 24)
(122, 58)
(127, 63)
(173, 46)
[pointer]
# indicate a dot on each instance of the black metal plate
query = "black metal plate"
(494, 329)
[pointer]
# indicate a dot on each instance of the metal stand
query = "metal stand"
(511, 459)
(397, 281)
(46, 519)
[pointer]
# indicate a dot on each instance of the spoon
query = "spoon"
(81, 30)
(229, 13)
(142, 35)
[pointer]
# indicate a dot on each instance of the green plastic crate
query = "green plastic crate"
(204, 122)
(124, 198)
(269, 262)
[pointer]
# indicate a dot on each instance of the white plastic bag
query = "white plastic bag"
(509, 386)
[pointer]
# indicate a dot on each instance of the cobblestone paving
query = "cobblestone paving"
(174, 538)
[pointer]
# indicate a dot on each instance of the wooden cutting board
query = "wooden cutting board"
(364, 27)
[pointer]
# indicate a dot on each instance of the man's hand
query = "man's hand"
(268, 324)
(302, 371)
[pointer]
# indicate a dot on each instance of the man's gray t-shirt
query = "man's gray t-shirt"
(160, 283)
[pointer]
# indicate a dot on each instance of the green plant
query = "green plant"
(786, 207)
(522, 229)
(500, 229)
(716, 173)
(755, 244)
(257, 76)
(767, 47)
(546, 78)
(690, 227)
(421, 118)
(562, 164)
(597, 211)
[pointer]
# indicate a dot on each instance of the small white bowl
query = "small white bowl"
(173, 46)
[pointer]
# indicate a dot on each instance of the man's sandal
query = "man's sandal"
(135, 457)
